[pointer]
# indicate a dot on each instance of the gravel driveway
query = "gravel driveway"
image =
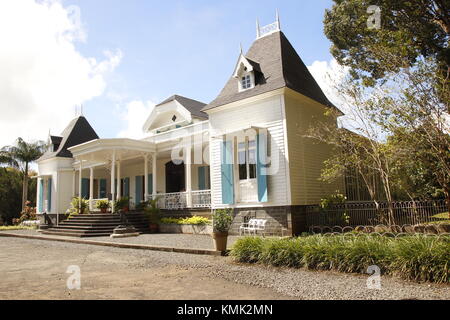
(35, 269)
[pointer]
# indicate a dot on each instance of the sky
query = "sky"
(119, 58)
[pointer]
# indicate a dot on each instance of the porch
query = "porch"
(110, 169)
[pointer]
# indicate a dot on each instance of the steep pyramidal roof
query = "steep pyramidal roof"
(279, 66)
(78, 131)
(193, 106)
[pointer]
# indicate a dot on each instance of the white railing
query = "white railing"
(268, 29)
(179, 200)
(201, 199)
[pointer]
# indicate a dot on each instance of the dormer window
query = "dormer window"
(246, 82)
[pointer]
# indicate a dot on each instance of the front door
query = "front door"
(175, 177)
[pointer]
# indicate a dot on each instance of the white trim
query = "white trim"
(117, 144)
(286, 150)
(164, 108)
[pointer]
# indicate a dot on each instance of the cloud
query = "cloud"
(43, 76)
(328, 74)
(134, 116)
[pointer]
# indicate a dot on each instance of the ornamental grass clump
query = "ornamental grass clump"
(422, 258)
(419, 257)
(248, 249)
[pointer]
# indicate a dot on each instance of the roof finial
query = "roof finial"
(81, 110)
(258, 30)
(278, 19)
(240, 48)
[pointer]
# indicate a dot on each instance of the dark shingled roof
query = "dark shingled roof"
(279, 66)
(77, 132)
(193, 106)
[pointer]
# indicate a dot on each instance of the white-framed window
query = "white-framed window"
(246, 82)
(247, 159)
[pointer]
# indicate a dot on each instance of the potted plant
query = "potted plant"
(122, 204)
(103, 205)
(153, 213)
(222, 220)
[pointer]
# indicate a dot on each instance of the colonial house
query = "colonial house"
(245, 150)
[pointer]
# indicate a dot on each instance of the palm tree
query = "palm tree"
(19, 156)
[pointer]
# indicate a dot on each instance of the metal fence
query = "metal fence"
(367, 213)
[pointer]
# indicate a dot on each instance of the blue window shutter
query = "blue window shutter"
(85, 188)
(138, 190)
(261, 153)
(102, 188)
(49, 194)
(201, 178)
(150, 183)
(126, 187)
(41, 195)
(227, 173)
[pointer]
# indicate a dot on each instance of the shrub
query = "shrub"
(222, 219)
(416, 257)
(247, 249)
(190, 220)
(422, 258)
(77, 206)
(102, 204)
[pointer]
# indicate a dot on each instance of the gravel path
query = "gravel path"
(177, 276)
(165, 240)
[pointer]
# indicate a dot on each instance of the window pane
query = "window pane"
(252, 156)
(242, 171)
(252, 168)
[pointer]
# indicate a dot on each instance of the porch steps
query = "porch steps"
(97, 225)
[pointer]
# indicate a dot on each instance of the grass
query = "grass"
(443, 218)
(10, 228)
(419, 258)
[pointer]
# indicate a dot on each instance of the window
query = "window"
(247, 159)
(246, 82)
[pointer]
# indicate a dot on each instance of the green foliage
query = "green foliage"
(102, 204)
(10, 228)
(152, 211)
(77, 206)
(328, 202)
(409, 30)
(416, 257)
(196, 220)
(222, 219)
(121, 204)
(19, 156)
(11, 194)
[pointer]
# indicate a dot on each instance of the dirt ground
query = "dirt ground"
(37, 270)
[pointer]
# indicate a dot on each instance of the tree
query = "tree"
(20, 156)
(10, 194)
(409, 30)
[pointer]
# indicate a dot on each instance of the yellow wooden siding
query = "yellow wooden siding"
(306, 156)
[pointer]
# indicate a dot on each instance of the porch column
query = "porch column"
(74, 181)
(113, 177)
(80, 177)
(154, 173)
(145, 177)
(188, 176)
(91, 189)
(119, 186)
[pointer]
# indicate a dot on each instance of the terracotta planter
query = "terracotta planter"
(154, 227)
(220, 240)
(103, 210)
